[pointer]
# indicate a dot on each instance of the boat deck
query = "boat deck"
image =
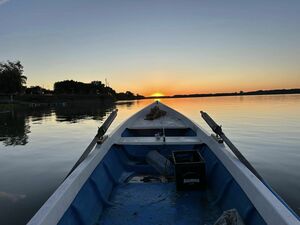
(158, 203)
(166, 121)
(125, 189)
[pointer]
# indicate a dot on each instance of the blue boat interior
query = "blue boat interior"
(125, 189)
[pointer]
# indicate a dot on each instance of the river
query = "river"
(38, 146)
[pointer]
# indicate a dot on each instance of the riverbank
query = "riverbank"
(53, 100)
(36, 98)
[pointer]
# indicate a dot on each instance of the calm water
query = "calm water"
(39, 146)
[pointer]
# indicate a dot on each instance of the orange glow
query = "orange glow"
(157, 94)
(168, 83)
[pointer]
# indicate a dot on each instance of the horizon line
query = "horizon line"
(265, 91)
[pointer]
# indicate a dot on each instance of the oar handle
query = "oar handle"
(218, 130)
(214, 126)
(101, 131)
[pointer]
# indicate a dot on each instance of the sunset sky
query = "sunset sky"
(171, 47)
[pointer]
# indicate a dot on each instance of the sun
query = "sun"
(157, 94)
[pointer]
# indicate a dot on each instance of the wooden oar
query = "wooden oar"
(218, 130)
(101, 131)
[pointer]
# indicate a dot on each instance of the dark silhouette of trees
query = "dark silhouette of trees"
(37, 90)
(97, 87)
(34, 90)
(125, 95)
(12, 78)
(93, 88)
(14, 128)
(75, 87)
(69, 87)
(128, 96)
(13, 81)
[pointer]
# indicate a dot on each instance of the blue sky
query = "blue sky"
(155, 46)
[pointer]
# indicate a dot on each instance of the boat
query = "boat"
(159, 167)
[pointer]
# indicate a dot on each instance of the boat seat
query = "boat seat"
(154, 141)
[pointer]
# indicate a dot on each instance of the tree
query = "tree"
(97, 87)
(128, 96)
(11, 77)
(75, 87)
(36, 90)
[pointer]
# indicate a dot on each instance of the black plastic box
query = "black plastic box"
(189, 170)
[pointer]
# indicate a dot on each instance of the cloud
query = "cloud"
(3, 2)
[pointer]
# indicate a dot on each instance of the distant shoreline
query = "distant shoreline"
(35, 99)
(241, 93)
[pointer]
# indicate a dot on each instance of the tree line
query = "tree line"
(13, 81)
(75, 87)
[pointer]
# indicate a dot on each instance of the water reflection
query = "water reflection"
(15, 124)
(126, 104)
(76, 112)
(14, 128)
